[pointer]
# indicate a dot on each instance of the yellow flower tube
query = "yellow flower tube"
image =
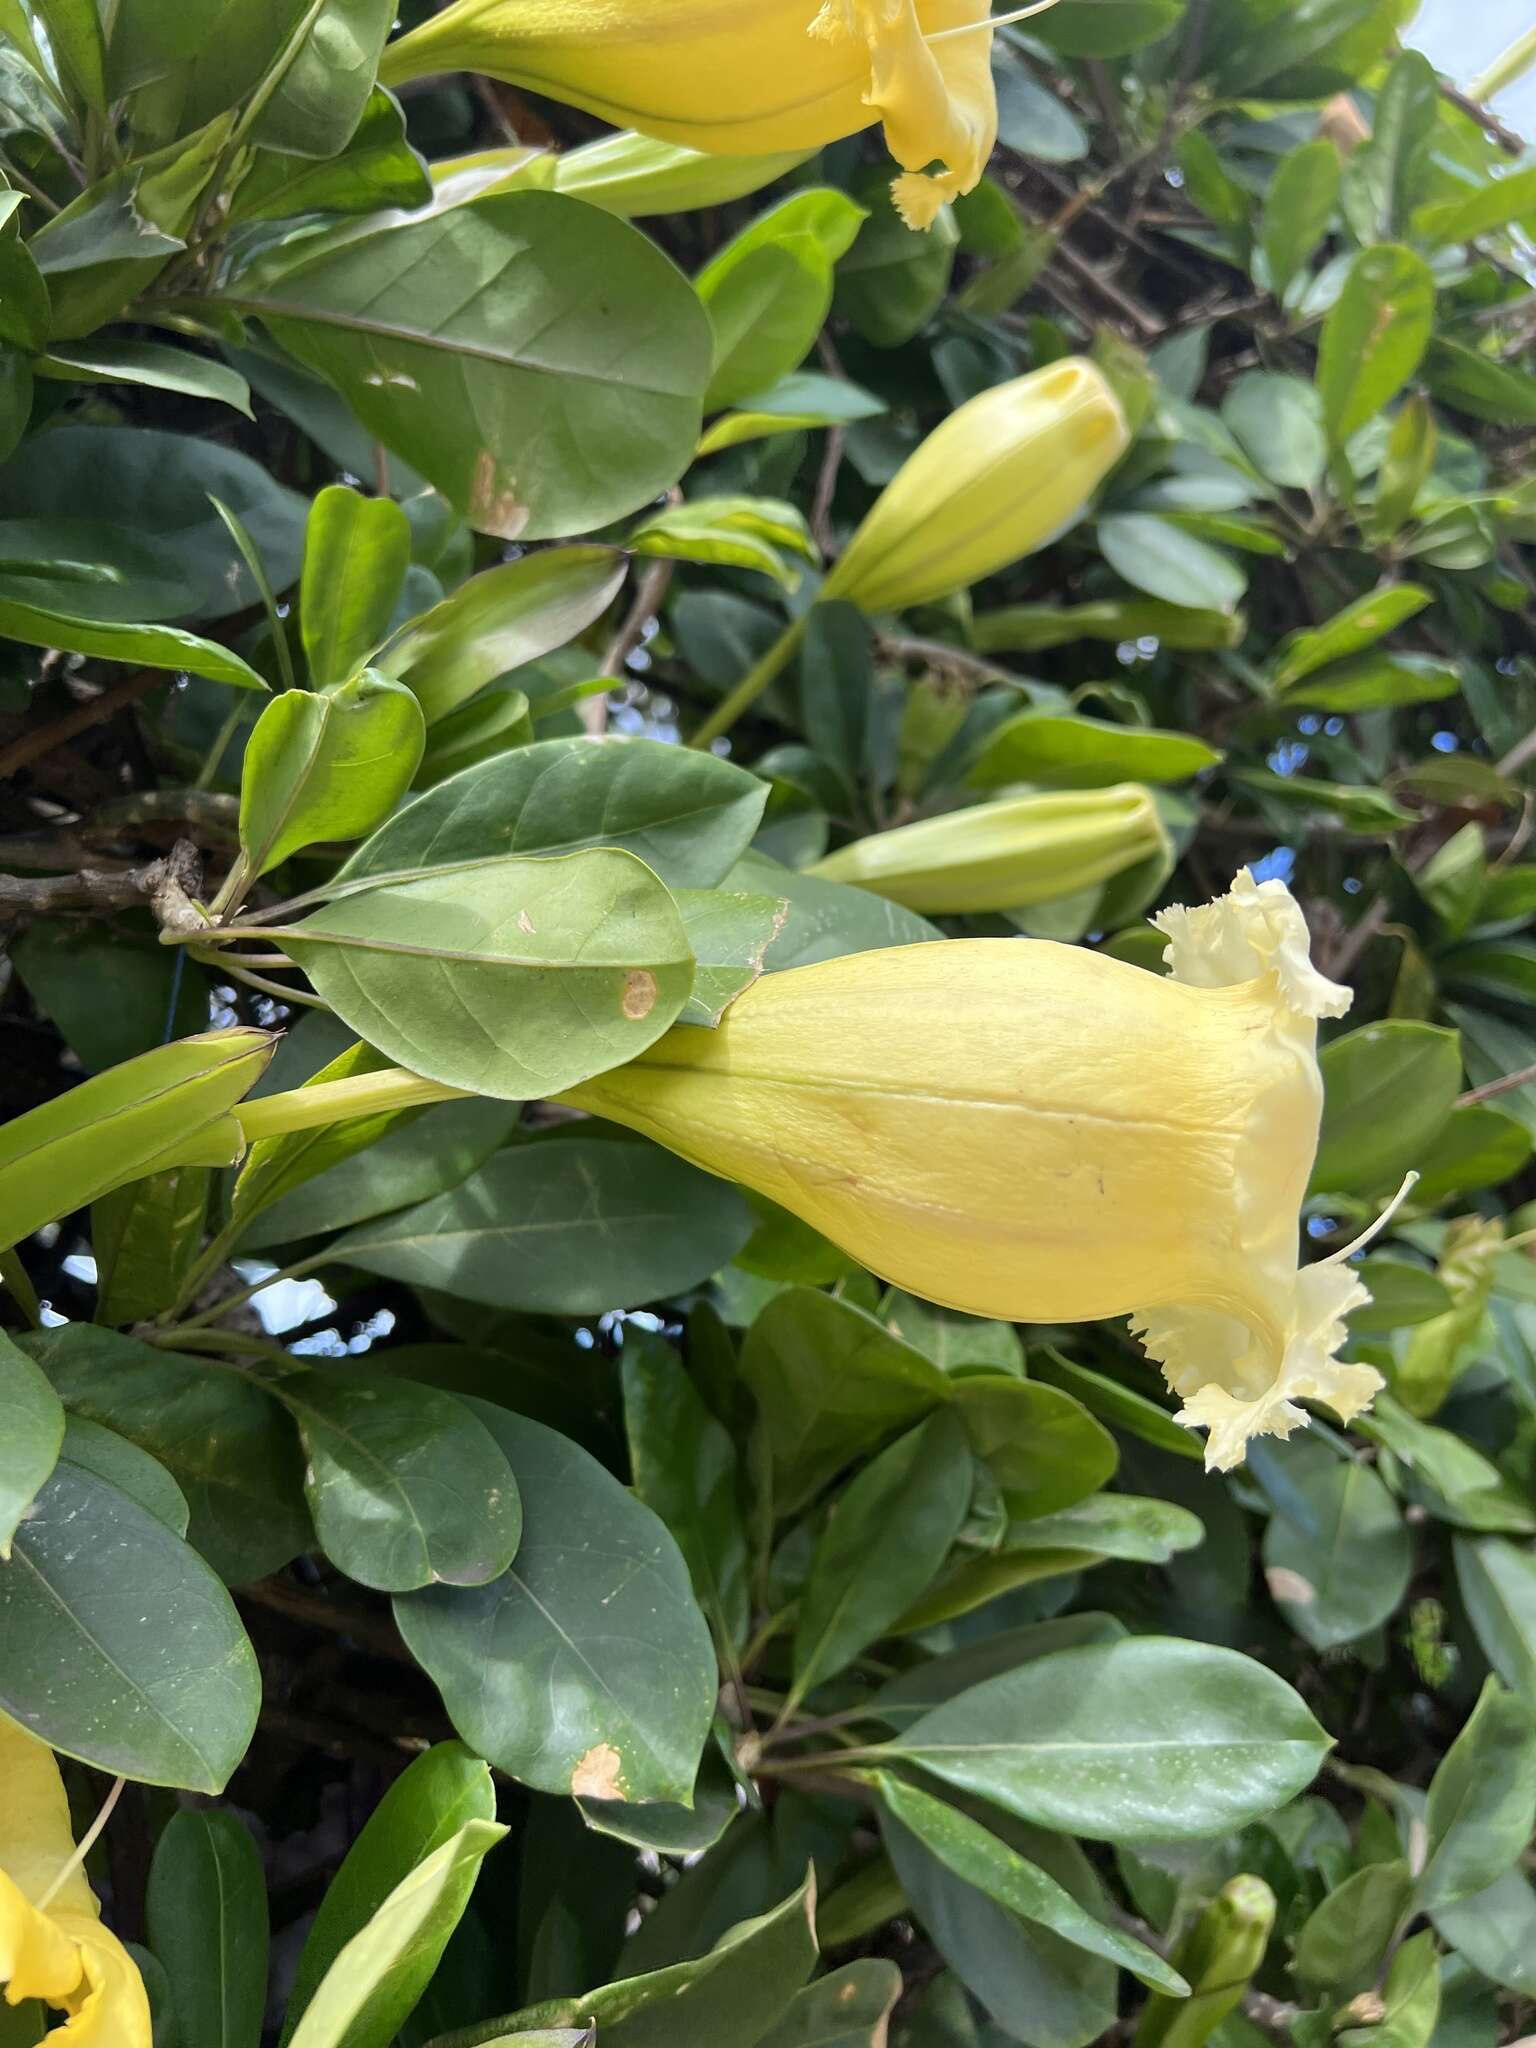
(745, 77)
(1038, 1133)
(1001, 477)
(1005, 855)
(53, 1947)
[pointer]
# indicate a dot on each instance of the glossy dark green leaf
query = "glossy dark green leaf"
(1389, 1089)
(1107, 28)
(904, 1699)
(219, 1435)
(122, 1647)
(570, 1227)
(892, 281)
(208, 1923)
(1498, 1584)
(1375, 337)
(1340, 1947)
(94, 1448)
(1121, 1407)
(860, 1582)
(587, 1668)
(30, 1441)
(150, 363)
(1337, 1556)
(324, 83)
(825, 920)
(420, 1814)
(685, 1468)
(1142, 1740)
(406, 1485)
(686, 815)
(145, 1238)
(1482, 1801)
(1043, 1447)
(1495, 1930)
(848, 2008)
(538, 360)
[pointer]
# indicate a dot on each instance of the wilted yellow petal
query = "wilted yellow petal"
(37, 1958)
(1001, 477)
(1037, 1133)
(36, 1839)
(744, 80)
(110, 2008)
(1005, 855)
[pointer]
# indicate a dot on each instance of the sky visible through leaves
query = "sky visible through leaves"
(1461, 39)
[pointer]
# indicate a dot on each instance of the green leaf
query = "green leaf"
(739, 533)
(729, 936)
(793, 405)
(906, 1698)
(1154, 556)
(325, 82)
(1279, 422)
(374, 1983)
(500, 620)
(685, 814)
(33, 1434)
(1478, 1147)
(1369, 812)
(825, 919)
(728, 1997)
(356, 553)
(1106, 28)
(406, 1486)
(1494, 204)
(892, 281)
(157, 487)
(1495, 1931)
(1343, 1942)
(122, 1647)
(1009, 1964)
(1043, 1447)
(1121, 1407)
(167, 1106)
(587, 1668)
(1062, 752)
(1405, 469)
(573, 1226)
(981, 1859)
(1143, 1740)
(1359, 626)
(513, 978)
(378, 168)
(122, 1464)
(207, 1910)
(137, 646)
(1375, 337)
(1482, 1801)
(1401, 1296)
(1377, 682)
(1498, 1585)
(769, 289)
(1337, 1557)
(830, 1382)
(849, 2008)
(424, 1810)
(326, 766)
(1388, 1088)
(684, 1468)
(145, 1238)
(1298, 210)
(222, 1439)
(541, 362)
(150, 363)
(74, 32)
(860, 1582)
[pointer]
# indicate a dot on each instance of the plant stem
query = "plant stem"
(752, 684)
(245, 1294)
(18, 1282)
(1511, 64)
(306, 1109)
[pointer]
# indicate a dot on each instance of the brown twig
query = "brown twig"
(164, 885)
(32, 746)
(1488, 121)
(953, 661)
(1502, 1086)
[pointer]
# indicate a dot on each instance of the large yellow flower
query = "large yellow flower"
(1039, 1133)
(742, 77)
(53, 1947)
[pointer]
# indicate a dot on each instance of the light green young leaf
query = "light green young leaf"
(356, 553)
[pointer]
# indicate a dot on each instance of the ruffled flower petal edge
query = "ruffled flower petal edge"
(1188, 1342)
(936, 105)
(1255, 932)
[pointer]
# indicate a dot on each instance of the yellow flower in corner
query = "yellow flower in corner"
(1039, 1133)
(744, 77)
(53, 1947)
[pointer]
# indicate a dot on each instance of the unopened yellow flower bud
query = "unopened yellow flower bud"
(1002, 476)
(53, 1947)
(742, 80)
(1005, 855)
(1036, 1133)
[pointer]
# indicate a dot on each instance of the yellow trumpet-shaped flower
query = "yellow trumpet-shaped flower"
(1005, 855)
(745, 77)
(1038, 1133)
(998, 479)
(53, 1947)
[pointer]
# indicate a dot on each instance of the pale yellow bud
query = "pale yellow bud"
(1038, 1133)
(1002, 476)
(741, 81)
(1005, 855)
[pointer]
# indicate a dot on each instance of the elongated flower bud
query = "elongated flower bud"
(763, 76)
(1217, 1957)
(1000, 478)
(1038, 1133)
(1005, 855)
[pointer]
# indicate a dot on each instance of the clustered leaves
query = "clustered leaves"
(426, 1474)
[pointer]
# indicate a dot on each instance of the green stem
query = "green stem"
(245, 1294)
(18, 1281)
(330, 1102)
(1513, 63)
(752, 684)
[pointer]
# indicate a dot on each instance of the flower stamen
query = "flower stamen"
(1369, 1237)
(971, 28)
(84, 1847)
